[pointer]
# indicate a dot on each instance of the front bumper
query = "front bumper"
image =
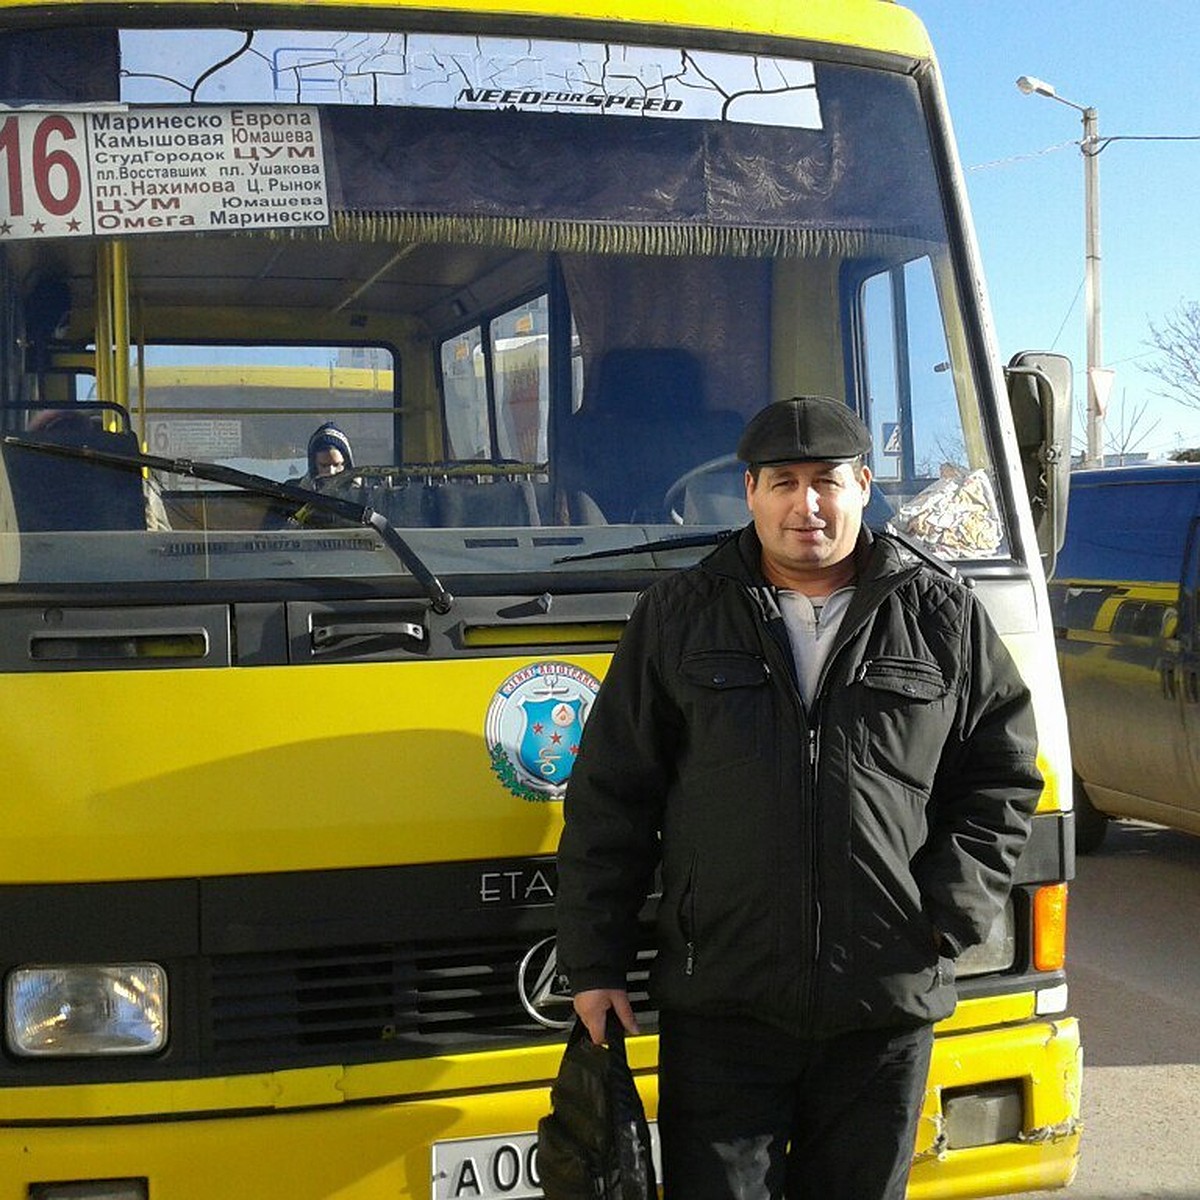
(333, 1133)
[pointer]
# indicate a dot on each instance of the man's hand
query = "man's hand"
(592, 1008)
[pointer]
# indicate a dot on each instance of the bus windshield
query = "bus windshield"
(538, 286)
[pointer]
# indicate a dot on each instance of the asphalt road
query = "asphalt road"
(1133, 961)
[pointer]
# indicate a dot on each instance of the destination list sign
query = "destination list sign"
(153, 170)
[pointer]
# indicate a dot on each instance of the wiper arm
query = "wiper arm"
(682, 542)
(360, 514)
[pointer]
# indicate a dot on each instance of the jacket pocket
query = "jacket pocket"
(907, 710)
(728, 701)
(910, 678)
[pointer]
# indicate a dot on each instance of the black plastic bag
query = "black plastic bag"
(595, 1144)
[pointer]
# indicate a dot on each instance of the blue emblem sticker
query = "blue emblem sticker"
(533, 727)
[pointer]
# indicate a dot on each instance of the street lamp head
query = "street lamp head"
(1031, 85)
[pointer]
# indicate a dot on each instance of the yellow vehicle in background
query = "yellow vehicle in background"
(284, 766)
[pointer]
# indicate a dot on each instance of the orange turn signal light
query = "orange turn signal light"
(1050, 927)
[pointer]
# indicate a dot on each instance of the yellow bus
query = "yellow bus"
(285, 764)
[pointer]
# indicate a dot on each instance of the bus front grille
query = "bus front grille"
(382, 1000)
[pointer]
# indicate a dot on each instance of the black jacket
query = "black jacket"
(807, 857)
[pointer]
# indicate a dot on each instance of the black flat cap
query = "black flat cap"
(804, 429)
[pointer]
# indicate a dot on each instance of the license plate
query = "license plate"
(496, 1168)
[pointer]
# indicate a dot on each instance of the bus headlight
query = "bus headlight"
(997, 952)
(111, 1008)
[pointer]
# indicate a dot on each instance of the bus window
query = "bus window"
(929, 458)
(464, 388)
(520, 343)
(254, 407)
(1140, 618)
(515, 371)
(883, 393)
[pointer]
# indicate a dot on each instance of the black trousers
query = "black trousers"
(747, 1112)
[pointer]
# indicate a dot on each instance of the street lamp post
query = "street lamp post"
(1097, 377)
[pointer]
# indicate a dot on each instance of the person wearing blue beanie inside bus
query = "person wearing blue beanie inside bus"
(329, 453)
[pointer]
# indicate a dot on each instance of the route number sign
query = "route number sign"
(152, 170)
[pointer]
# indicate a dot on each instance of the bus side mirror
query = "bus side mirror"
(1039, 394)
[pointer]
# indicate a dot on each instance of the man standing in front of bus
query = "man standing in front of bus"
(823, 743)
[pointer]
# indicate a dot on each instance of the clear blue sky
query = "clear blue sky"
(1138, 64)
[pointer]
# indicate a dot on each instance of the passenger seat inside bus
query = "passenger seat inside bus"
(641, 428)
(468, 503)
(459, 502)
(52, 492)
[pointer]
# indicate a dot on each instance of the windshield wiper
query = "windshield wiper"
(681, 542)
(350, 510)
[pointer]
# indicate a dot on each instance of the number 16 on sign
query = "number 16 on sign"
(44, 191)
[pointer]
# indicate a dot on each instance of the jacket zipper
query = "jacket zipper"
(844, 637)
(909, 668)
(687, 917)
(812, 721)
(813, 747)
(773, 644)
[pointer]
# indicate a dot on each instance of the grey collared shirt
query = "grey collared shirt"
(812, 625)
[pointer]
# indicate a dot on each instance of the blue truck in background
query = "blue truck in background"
(1124, 600)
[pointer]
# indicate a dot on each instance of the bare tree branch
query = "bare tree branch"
(1177, 340)
(1123, 436)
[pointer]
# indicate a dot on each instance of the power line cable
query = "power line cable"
(1105, 142)
(1101, 144)
(1004, 162)
(1070, 310)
